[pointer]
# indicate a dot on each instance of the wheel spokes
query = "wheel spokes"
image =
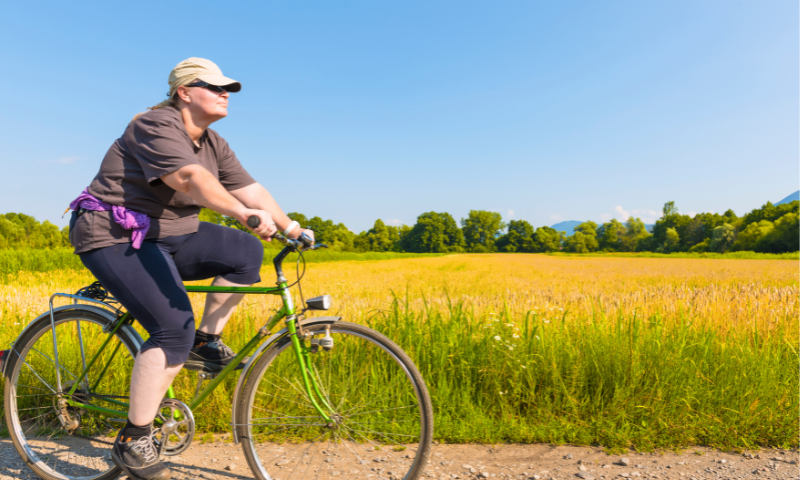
(374, 403)
(35, 410)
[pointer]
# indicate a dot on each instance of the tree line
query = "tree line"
(769, 229)
(18, 230)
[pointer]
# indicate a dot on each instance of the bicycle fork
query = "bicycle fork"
(302, 353)
(312, 388)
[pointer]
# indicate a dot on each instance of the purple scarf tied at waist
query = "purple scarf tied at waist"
(127, 219)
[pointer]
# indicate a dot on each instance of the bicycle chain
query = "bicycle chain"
(99, 395)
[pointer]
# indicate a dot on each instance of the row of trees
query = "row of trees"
(771, 228)
(18, 230)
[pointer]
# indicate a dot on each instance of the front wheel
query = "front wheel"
(382, 416)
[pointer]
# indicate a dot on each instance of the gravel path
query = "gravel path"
(225, 461)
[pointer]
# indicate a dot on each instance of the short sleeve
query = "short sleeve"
(232, 174)
(160, 147)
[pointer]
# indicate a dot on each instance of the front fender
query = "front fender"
(257, 354)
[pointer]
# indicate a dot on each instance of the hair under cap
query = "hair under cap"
(192, 69)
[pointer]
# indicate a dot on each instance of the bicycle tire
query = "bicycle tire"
(31, 392)
(385, 376)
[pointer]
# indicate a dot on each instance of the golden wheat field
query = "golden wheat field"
(649, 352)
(723, 293)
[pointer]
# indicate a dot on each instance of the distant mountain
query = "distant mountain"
(790, 198)
(569, 226)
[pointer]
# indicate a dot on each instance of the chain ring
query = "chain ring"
(176, 433)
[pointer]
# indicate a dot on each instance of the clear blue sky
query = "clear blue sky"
(355, 111)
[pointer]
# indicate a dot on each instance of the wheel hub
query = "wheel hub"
(336, 421)
(69, 420)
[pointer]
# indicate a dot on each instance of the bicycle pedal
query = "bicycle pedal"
(208, 367)
(195, 367)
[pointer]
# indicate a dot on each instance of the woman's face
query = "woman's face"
(205, 104)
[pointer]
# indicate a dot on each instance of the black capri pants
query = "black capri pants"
(149, 282)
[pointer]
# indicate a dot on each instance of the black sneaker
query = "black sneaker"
(139, 458)
(211, 357)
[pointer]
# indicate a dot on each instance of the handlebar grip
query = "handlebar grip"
(253, 221)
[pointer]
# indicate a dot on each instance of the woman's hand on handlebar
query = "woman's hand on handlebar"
(256, 220)
(266, 227)
(295, 234)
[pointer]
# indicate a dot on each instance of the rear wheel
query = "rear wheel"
(382, 417)
(59, 441)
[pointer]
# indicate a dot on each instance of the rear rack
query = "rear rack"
(96, 290)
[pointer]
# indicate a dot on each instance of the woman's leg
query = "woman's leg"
(146, 282)
(150, 380)
(231, 256)
(219, 307)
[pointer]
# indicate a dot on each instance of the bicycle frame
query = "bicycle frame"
(286, 313)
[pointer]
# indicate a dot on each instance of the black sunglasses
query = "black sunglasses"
(214, 88)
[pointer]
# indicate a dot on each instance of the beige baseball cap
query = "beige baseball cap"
(190, 70)
(195, 68)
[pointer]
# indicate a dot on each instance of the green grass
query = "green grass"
(13, 261)
(712, 255)
(661, 381)
(617, 382)
(38, 260)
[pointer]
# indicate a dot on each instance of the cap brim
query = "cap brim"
(222, 81)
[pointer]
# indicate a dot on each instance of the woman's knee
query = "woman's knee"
(249, 258)
(220, 251)
(175, 340)
(254, 251)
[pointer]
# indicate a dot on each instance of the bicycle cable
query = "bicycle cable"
(299, 276)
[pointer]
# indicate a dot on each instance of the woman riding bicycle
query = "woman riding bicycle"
(136, 229)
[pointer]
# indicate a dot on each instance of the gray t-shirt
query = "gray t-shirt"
(152, 146)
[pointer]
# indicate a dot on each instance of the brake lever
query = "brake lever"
(316, 246)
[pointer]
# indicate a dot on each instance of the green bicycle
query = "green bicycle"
(321, 398)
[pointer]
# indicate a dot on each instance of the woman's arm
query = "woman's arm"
(205, 189)
(256, 196)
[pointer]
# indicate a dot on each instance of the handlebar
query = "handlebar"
(303, 242)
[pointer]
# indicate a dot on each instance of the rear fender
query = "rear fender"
(256, 355)
(45, 317)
